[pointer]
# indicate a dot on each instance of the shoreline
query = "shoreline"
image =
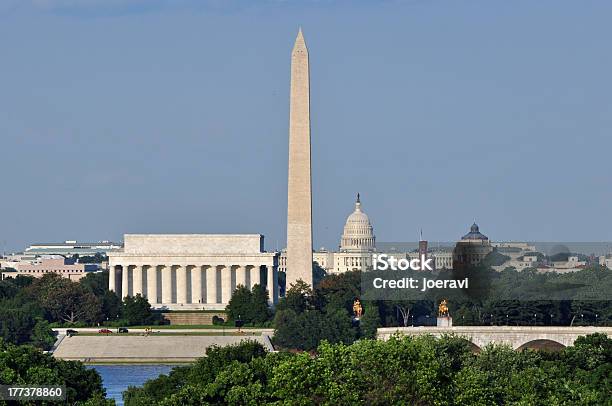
(136, 362)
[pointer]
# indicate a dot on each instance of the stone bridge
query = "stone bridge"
(515, 336)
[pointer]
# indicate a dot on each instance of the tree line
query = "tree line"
(403, 370)
(30, 307)
(305, 316)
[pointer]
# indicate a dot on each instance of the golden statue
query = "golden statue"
(357, 308)
(443, 309)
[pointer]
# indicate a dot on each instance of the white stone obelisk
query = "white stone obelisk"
(299, 202)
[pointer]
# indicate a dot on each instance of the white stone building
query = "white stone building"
(191, 271)
(357, 243)
(606, 260)
(72, 247)
(513, 249)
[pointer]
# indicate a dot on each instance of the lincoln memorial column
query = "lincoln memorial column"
(196, 284)
(181, 285)
(137, 280)
(241, 276)
(255, 276)
(125, 281)
(112, 278)
(270, 282)
(226, 284)
(166, 287)
(275, 286)
(211, 284)
(152, 284)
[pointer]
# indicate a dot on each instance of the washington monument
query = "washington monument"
(299, 202)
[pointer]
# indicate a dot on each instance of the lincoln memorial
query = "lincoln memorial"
(191, 271)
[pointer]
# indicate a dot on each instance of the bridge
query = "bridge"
(518, 337)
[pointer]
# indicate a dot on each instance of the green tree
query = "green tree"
(26, 365)
(402, 370)
(157, 389)
(8, 289)
(239, 306)
(304, 331)
(259, 304)
(250, 306)
(318, 273)
(96, 282)
(42, 335)
(339, 291)
(370, 321)
(299, 298)
(16, 326)
(136, 310)
(65, 300)
(23, 281)
(111, 305)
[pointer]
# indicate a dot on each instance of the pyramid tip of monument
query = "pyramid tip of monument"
(299, 39)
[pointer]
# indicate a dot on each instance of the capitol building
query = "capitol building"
(358, 244)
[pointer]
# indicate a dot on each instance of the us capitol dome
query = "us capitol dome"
(356, 246)
(358, 234)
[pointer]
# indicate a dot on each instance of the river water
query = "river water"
(117, 378)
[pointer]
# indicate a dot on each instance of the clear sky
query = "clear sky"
(124, 116)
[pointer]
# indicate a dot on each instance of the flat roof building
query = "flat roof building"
(72, 247)
(191, 271)
(37, 268)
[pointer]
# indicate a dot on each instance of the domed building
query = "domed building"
(358, 234)
(475, 234)
(471, 249)
(357, 243)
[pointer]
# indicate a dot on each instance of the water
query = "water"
(117, 378)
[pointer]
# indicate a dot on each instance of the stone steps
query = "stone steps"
(192, 319)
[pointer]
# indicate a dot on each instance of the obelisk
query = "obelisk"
(299, 202)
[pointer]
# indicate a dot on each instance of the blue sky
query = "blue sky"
(122, 116)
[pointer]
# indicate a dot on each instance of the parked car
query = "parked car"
(104, 331)
(122, 330)
(70, 332)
